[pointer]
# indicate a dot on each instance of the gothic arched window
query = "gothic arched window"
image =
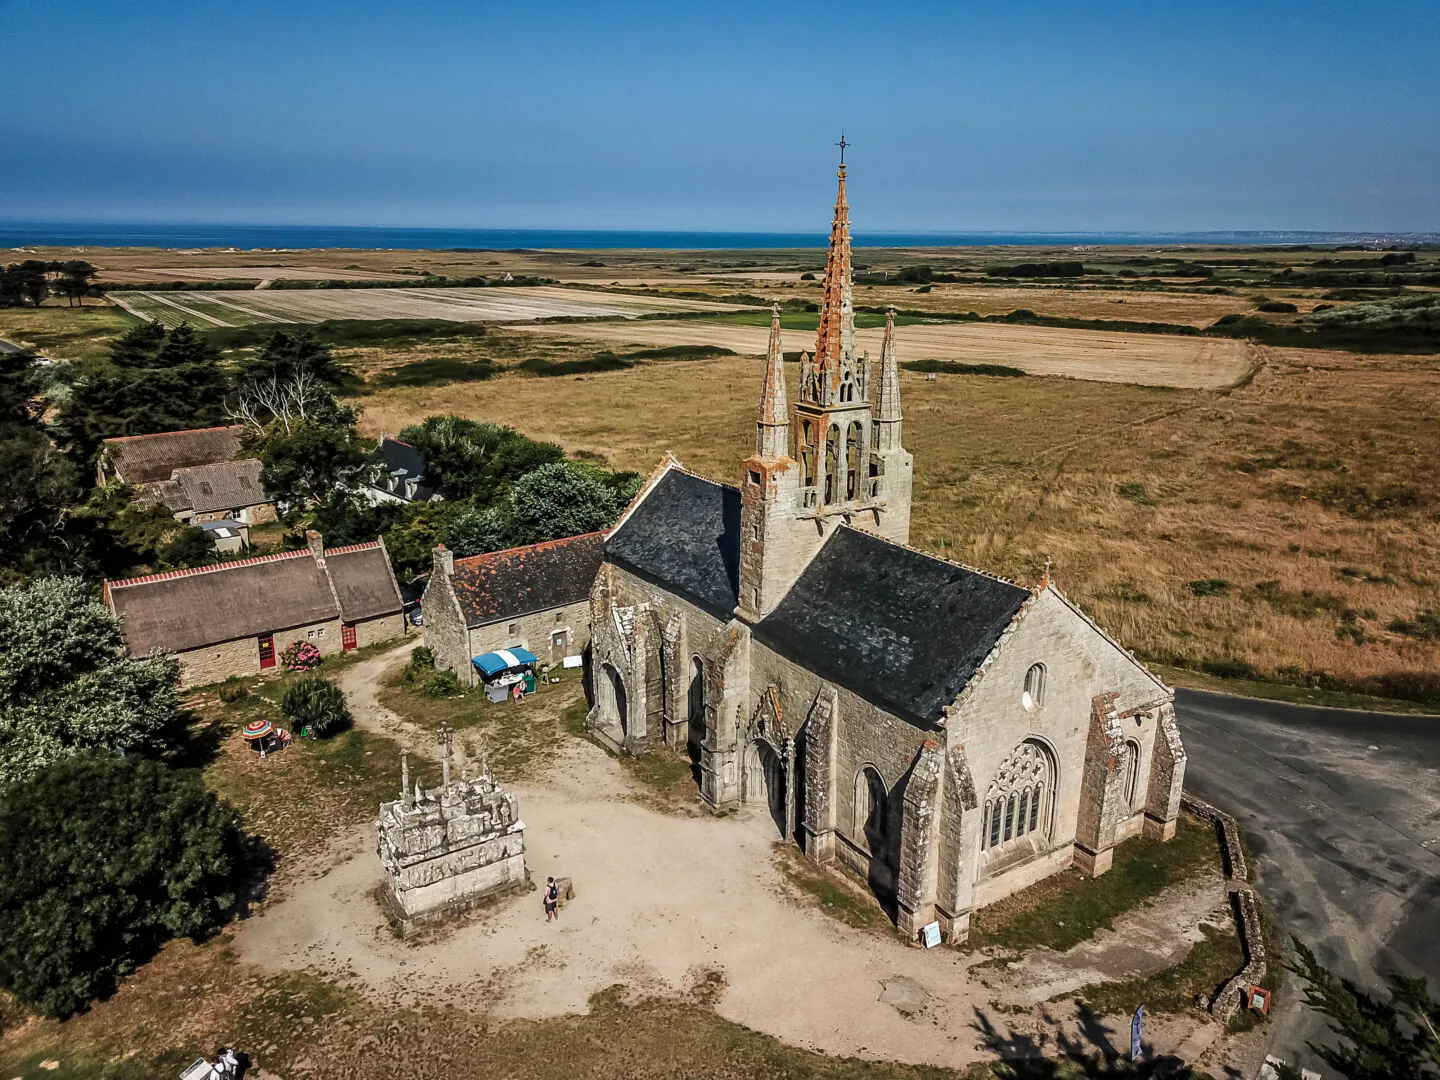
(1132, 772)
(807, 452)
(1033, 695)
(870, 810)
(853, 449)
(1018, 802)
(832, 462)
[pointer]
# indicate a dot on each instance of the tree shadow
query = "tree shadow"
(1058, 1055)
(195, 740)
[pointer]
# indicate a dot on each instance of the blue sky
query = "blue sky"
(964, 116)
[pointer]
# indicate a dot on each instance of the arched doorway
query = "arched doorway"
(695, 738)
(764, 782)
(614, 708)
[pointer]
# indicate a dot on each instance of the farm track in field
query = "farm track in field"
(524, 304)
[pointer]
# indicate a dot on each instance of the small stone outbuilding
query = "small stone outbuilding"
(536, 597)
(237, 618)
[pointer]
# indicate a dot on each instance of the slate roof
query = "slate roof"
(899, 627)
(206, 488)
(189, 609)
(504, 584)
(146, 459)
(685, 533)
(402, 463)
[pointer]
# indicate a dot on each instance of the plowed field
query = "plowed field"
(496, 304)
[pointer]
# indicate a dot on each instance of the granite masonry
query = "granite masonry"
(449, 849)
(946, 735)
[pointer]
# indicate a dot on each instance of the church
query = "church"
(946, 735)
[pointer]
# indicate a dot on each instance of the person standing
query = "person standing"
(552, 899)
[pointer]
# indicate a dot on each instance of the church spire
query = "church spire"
(887, 405)
(835, 342)
(772, 432)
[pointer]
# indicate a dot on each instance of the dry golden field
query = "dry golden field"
(1285, 524)
(1149, 359)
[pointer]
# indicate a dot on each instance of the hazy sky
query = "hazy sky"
(964, 116)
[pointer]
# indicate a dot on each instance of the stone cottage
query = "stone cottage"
(536, 597)
(949, 736)
(237, 618)
(198, 475)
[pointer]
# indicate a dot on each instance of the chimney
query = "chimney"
(317, 546)
(444, 561)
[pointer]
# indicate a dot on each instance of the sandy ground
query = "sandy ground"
(1146, 359)
(662, 899)
(498, 304)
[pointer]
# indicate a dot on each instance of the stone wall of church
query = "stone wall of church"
(993, 721)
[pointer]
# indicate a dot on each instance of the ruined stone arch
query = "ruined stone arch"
(1020, 803)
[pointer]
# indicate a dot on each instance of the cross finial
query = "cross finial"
(842, 144)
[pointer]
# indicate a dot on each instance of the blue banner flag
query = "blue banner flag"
(1135, 1023)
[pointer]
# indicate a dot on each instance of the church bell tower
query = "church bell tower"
(837, 457)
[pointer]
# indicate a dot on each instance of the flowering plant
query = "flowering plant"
(300, 656)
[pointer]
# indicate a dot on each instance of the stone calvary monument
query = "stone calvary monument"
(451, 848)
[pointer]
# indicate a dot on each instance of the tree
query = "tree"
(309, 466)
(66, 688)
(558, 500)
(287, 355)
(315, 707)
(102, 859)
(37, 484)
(139, 346)
(472, 459)
(1395, 1039)
(74, 279)
(478, 530)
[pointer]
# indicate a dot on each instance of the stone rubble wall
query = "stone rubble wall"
(1233, 995)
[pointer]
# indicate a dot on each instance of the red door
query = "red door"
(347, 637)
(267, 651)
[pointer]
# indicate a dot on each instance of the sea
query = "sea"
(292, 237)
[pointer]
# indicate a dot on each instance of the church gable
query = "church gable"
(684, 533)
(902, 629)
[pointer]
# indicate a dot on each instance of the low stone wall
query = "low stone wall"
(1233, 995)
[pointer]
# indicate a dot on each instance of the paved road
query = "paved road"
(1342, 811)
(9, 347)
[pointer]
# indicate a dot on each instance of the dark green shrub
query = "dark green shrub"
(315, 707)
(807, 276)
(232, 692)
(1136, 493)
(1209, 586)
(1278, 307)
(102, 860)
(442, 682)
(955, 367)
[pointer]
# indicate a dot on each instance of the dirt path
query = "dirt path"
(661, 899)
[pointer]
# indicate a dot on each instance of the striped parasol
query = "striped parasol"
(257, 729)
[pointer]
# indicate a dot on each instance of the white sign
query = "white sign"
(930, 934)
(573, 661)
(1135, 1023)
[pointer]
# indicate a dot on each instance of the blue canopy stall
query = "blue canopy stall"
(503, 668)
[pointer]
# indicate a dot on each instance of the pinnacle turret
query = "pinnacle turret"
(772, 432)
(887, 402)
(835, 342)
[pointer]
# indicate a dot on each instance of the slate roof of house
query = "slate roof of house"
(685, 533)
(189, 609)
(204, 489)
(403, 462)
(504, 584)
(145, 459)
(901, 628)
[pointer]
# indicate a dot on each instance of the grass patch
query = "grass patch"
(601, 361)
(65, 333)
(1068, 908)
(433, 371)
(1206, 967)
(1191, 679)
(831, 895)
(663, 770)
(348, 332)
(955, 367)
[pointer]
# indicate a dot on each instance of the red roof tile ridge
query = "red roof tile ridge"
(180, 431)
(193, 571)
(470, 561)
(345, 549)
